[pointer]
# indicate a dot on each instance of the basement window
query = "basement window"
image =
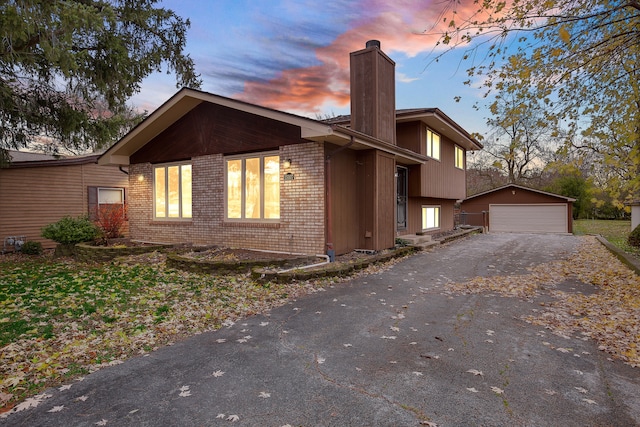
(252, 187)
(430, 217)
(433, 144)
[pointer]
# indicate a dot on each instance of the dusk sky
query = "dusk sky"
(293, 55)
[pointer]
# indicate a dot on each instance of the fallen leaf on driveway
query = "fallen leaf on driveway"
(475, 372)
(497, 390)
(472, 389)
(56, 408)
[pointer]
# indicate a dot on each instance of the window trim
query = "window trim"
(459, 149)
(166, 166)
(438, 218)
(429, 144)
(261, 155)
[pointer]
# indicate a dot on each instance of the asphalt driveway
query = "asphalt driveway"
(387, 349)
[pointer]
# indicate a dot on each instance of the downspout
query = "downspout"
(122, 170)
(330, 250)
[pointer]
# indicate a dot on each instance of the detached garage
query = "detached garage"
(518, 209)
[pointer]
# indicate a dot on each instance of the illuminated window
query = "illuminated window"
(253, 187)
(433, 144)
(430, 217)
(172, 191)
(459, 157)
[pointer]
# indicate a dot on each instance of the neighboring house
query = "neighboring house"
(38, 189)
(206, 169)
(513, 208)
(635, 214)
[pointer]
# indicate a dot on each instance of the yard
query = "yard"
(60, 319)
(615, 232)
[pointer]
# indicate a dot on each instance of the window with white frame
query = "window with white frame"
(430, 217)
(252, 187)
(110, 196)
(433, 144)
(459, 154)
(172, 191)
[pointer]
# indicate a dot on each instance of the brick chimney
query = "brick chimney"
(373, 92)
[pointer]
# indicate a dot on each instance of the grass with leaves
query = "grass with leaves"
(61, 319)
(615, 231)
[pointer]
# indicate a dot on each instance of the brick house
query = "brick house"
(207, 169)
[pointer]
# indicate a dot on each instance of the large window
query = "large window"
(430, 217)
(253, 187)
(172, 191)
(459, 153)
(433, 144)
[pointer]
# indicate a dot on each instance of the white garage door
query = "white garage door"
(538, 218)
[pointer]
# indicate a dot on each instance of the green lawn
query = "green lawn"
(63, 319)
(614, 231)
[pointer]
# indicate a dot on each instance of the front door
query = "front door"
(401, 197)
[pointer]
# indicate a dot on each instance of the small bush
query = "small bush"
(32, 248)
(71, 230)
(110, 219)
(634, 237)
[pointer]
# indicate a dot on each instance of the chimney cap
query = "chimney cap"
(373, 43)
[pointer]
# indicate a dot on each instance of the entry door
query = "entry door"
(401, 192)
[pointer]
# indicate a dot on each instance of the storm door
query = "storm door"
(401, 199)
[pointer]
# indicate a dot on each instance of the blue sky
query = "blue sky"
(293, 55)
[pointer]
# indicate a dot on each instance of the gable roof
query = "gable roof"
(520, 187)
(187, 99)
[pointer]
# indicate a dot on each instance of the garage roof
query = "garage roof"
(514, 186)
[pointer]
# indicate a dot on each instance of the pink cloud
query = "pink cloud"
(402, 27)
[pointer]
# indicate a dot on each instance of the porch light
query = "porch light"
(140, 178)
(287, 163)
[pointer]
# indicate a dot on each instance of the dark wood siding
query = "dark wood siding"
(362, 200)
(435, 178)
(373, 94)
(214, 129)
(344, 200)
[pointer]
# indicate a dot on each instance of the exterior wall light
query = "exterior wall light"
(287, 163)
(140, 178)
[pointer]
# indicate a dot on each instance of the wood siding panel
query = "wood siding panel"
(344, 200)
(373, 94)
(386, 202)
(435, 178)
(215, 129)
(34, 197)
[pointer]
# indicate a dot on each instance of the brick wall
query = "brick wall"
(301, 228)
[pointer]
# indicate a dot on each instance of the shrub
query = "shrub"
(32, 248)
(634, 237)
(110, 219)
(71, 230)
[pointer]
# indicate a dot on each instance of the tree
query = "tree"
(67, 68)
(580, 57)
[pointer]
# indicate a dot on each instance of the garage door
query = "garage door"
(538, 218)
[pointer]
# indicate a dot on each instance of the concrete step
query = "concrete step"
(414, 239)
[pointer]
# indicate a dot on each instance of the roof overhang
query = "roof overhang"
(343, 136)
(440, 123)
(182, 103)
(520, 187)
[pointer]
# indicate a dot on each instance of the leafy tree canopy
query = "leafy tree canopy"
(579, 57)
(67, 68)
